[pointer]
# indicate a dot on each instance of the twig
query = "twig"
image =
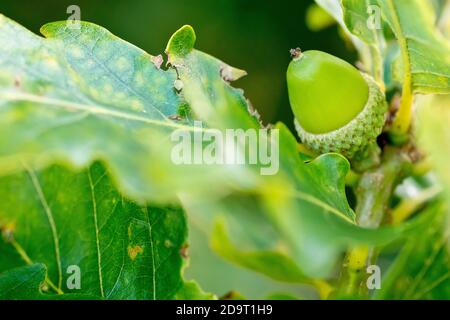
(373, 193)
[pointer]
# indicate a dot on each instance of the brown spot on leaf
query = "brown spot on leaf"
(158, 61)
(229, 73)
(134, 251)
(7, 231)
(175, 117)
(184, 251)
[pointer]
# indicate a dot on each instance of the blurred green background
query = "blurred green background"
(248, 34)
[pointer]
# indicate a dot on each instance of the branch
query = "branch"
(373, 194)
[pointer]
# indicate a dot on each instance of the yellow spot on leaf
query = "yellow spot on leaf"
(90, 63)
(129, 231)
(120, 95)
(102, 53)
(139, 79)
(51, 63)
(122, 64)
(134, 251)
(168, 243)
(84, 38)
(76, 52)
(107, 88)
(94, 92)
(136, 105)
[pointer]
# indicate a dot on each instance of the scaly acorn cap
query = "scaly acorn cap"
(356, 135)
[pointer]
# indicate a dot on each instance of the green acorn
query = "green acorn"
(337, 108)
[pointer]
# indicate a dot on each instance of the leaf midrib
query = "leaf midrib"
(93, 109)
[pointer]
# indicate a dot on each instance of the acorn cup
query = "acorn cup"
(337, 108)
